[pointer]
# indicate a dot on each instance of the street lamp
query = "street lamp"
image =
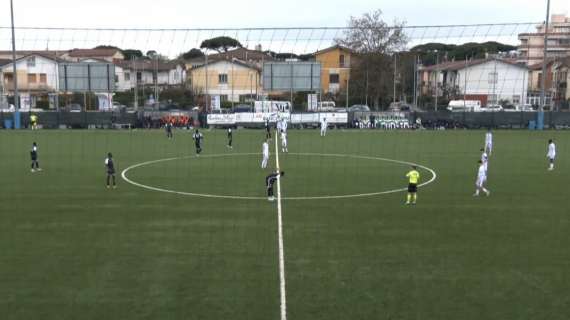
(545, 56)
(436, 77)
(15, 75)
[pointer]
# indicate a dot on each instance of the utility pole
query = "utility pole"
(347, 92)
(416, 81)
(15, 76)
(544, 61)
(207, 94)
(395, 75)
(134, 78)
(465, 89)
(436, 77)
(156, 80)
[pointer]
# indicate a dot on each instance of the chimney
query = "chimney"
(258, 47)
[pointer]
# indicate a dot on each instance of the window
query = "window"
(43, 78)
(334, 78)
(516, 99)
(139, 76)
(493, 77)
(222, 78)
(341, 60)
(32, 78)
(127, 76)
(31, 62)
(223, 97)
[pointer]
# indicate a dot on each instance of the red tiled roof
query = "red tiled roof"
(146, 65)
(458, 65)
(242, 54)
(93, 52)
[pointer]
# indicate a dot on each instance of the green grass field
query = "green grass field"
(72, 249)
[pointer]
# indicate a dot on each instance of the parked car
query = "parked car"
(492, 108)
(240, 108)
(399, 106)
(73, 107)
(359, 108)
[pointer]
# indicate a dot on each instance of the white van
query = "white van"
(272, 106)
(327, 106)
(464, 105)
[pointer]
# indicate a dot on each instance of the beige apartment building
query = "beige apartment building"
(531, 46)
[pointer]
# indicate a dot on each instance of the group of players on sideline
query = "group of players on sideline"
(270, 180)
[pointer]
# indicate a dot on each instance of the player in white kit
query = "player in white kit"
(481, 180)
(551, 155)
(284, 142)
(485, 160)
(489, 142)
(265, 152)
(323, 127)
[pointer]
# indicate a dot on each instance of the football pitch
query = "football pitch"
(186, 237)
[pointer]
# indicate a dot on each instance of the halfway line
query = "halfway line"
(280, 227)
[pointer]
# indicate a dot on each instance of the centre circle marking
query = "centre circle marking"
(216, 196)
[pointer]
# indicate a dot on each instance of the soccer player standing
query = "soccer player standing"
(489, 142)
(270, 182)
(168, 127)
(324, 127)
(485, 159)
(230, 138)
(284, 141)
(551, 155)
(481, 180)
(413, 177)
(267, 129)
(198, 137)
(110, 166)
(34, 157)
(265, 152)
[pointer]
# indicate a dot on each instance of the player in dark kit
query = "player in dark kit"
(34, 157)
(270, 182)
(267, 129)
(198, 137)
(168, 128)
(110, 166)
(230, 138)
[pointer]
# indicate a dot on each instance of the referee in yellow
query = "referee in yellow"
(413, 177)
(34, 121)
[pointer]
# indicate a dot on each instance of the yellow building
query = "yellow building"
(232, 80)
(335, 68)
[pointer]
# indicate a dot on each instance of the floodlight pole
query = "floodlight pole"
(15, 76)
(544, 61)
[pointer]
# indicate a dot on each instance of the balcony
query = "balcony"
(9, 86)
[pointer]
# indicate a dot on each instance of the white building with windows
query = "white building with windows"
(488, 80)
(233, 80)
(37, 76)
(129, 74)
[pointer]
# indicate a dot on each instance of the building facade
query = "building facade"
(233, 80)
(130, 74)
(531, 47)
(490, 81)
(37, 80)
(335, 68)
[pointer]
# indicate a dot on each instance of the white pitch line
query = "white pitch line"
(280, 226)
(234, 197)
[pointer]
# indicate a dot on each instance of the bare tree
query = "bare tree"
(373, 43)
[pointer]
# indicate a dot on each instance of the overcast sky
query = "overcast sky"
(257, 13)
